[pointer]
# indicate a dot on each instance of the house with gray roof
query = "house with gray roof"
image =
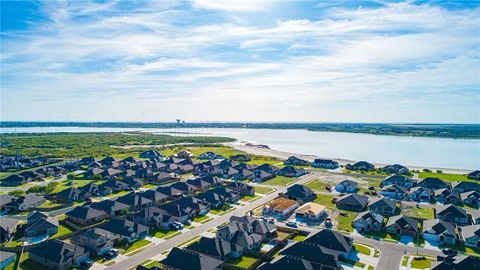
(453, 214)
(438, 231)
(382, 206)
(459, 262)
(40, 224)
(433, 183)
(96, 241)
(56, 254)
(111, 207)
(395, 169)
(471, 198)
(475, 175)
(332, 242)
(352, 202)
(348, 186)
(446, 196)
(394, 192)
(465, 186)
(217, 248)
(368, 221)
(402, 225)
(8, 227)
(124, 229)
(134, 201)
(85, 215)
(398, 180)
(311, 254)
(325, 164)
(186, 259)
(471, 235)
(360, 166)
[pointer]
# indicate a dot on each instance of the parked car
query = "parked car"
(271, 220)
(86, 264)
(292, 224)
(114, 251)
(177, 226)
(449, 252)
(109, 255)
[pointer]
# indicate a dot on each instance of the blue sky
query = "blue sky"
(211, 60)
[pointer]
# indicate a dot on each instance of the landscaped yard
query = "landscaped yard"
(249, 198)
(319, 185)
(362, 249)
(299, 237)
(244, 262)
(135, 245)
(161, 233)
(444, 176)
(280, 181)
(325, 200)
(50, 204)
(425, 213)
(199, 219)
(345, 222)
(263, 190)
(421, 262)
(222, 210)
(62, 230)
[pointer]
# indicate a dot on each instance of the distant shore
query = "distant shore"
(262, 150)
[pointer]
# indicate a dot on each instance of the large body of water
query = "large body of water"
(413, 151)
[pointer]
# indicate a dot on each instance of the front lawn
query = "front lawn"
(445, 176)
(199, 219)
(249, 198)
(161, 233)
(62, 230)
(299, 237)
(319, 185)
(325, 200)
(345, 222)
(263, 190)
(221, 211)
(135, 245)
(362, 249)
(415, 212)
(243, 262)
(421, 262)
(280, 181)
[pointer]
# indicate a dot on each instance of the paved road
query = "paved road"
(185, 236)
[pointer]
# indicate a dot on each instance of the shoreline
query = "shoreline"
(257, 149)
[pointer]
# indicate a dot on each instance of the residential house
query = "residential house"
(395, 192)
(230, 195)
(402, 226)
(446, 196)
(290, 171)
(71, 194)
(438, 231)
(6, 200)
(184, 154)
(229, 172)
(8, 227)
(352, 202)
(111, 173)
(170, 192)
(241, 158)
(280, 207)
(395, 169)
(215, 200)
(93, 172)
(471, 235)
(184, 187)
(475, 175)
(243, 174)
(85, 215)
(310, 212)
(153, 195)
(453, 214)
(151, 154)
(311, 255)
(421, 194)
(457, 263)
(398, 180)
(471, 198)
(58, 255)
(96, 241)
(383, 206)
(300, 193)
(111, 207)
(40, 224)
(465, 186)
(267, 168)
(217, 248)
(124, 229)
(86, 161)
(241, 188)
(433, 183)
(154, 217)
(293, 160)
(254, 225)
(210, 156)
(188, 259)
(28, 201)
(180, 213)
(347, 186)
(14, 180)
(199, 206)
(325, 164)
(360, 166)
(199, 184)
(132, 182)
(368, 221)
(262, 176)
(332, 242)
(134, 201)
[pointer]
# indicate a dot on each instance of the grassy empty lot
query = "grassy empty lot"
(425, 213)
(263, 190)
(325, 200)
(319, 185)
(445, 176)
(345, 222)
(243, 262)
(280, 181)
(62, 230)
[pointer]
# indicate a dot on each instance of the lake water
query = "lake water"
(413, 151)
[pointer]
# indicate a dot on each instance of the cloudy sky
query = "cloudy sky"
(211, 60)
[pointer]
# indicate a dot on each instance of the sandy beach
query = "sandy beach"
(262, 150)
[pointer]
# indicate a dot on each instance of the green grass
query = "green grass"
(362, 249)
(420, 263)
(445, 176)
(153, 263)
(221, 211)
(199, 219)
(263, 190)
(161, 233)
(118, 194)
(62, 230)
(385, 236)
(136, 245)
(319, 185)
(424, 213)
(190, 241)
(299, 237)
(325, 200)
(370, 267)
(50, 204)
(249, 198)
(355, 263)
(405, 261)
(244, 262)
(280, 181)
(345, 222)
